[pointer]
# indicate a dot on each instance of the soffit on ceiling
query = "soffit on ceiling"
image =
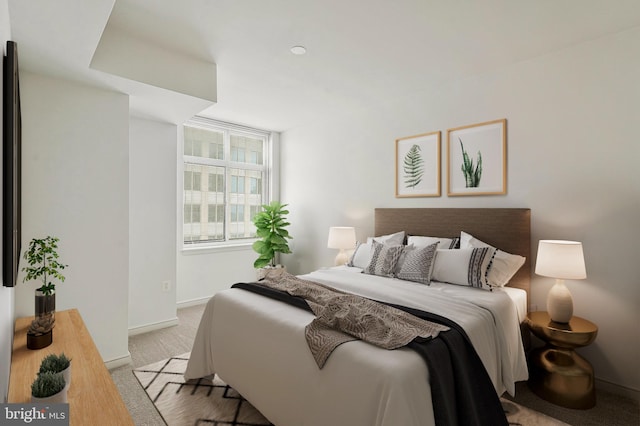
(360, 53)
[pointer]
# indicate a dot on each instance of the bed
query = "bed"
(257, 344)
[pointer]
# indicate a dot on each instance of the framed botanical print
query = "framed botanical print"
(477, 159)
(418, 165)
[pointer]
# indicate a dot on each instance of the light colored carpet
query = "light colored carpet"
(181, 402)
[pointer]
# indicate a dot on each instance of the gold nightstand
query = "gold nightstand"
(557, 373)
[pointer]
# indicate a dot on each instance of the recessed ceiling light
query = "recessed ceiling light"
(298, 50)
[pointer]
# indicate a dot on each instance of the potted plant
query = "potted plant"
(271, 226)
(57, 364)
(42, 257)
(49, 387)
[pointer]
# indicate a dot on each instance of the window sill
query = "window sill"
(216, 248)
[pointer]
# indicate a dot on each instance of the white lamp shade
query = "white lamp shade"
(341, 237)
(561, 259)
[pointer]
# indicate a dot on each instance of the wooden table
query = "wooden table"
(93, 396)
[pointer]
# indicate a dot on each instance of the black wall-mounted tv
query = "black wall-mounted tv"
(11, 168)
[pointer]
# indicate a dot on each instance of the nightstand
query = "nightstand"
(556, 372)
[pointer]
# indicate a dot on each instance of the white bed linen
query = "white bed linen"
(257, 345)
(519, 297)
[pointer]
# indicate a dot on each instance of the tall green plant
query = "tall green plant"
(471, 175)
(42, 257)
(270, 228)
(413, 167)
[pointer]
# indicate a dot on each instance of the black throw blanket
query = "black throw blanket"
(461, 389)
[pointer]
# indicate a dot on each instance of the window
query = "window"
(225, 180)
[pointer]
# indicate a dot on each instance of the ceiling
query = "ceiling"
(359, 52)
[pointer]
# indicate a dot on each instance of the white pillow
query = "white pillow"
(417, 264)
(396, 239)
(443, 243)
(504, 265)
(361, 256)
(463, 266)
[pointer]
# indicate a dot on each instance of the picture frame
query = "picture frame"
(418, 165)
(477, 159)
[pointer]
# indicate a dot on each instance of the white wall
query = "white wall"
(6, 293)
(202, 273)
(152, 223)
(572, 158)
(75, 159)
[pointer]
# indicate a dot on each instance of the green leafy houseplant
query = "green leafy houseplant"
(42, 257)
(54, 363)
(47, 384)
(270, 228)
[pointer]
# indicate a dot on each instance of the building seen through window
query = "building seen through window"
(225, 181)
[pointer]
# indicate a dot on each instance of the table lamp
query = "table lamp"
(562, 260)
(343, 238)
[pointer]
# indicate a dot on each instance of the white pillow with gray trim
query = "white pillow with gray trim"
(504, 265)
(463, 266)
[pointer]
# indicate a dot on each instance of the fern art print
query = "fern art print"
(413, 167)
(418, 165)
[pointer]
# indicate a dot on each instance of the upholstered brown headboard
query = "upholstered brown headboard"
(506, 229)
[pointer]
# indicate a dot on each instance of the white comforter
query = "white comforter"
(257, 346)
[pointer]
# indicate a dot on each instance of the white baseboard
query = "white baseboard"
(118, 362)
(193, 302)
(151, 327)
(618, 390)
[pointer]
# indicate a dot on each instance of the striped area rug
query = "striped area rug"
(203, 402)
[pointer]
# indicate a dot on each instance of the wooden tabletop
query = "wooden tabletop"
(93, 397)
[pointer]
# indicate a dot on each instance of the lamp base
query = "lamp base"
(560, 303)
(342, 257)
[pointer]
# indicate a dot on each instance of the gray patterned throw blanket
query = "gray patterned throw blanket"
(342, 317)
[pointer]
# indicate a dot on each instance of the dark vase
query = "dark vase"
(40, 334)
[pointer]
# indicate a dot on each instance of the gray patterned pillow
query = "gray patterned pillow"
(418, 264)
(383, 259)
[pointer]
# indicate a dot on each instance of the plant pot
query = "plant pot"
(45, 304)
(40, 334)
(66, 373)
(58, 398)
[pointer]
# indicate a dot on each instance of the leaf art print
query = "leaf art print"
(413, 167)
(418, 165)
(477, 159)
(471, 175)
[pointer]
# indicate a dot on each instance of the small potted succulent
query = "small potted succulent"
(49, 387)
(57, 364)
(271, 226)
(42, 257)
